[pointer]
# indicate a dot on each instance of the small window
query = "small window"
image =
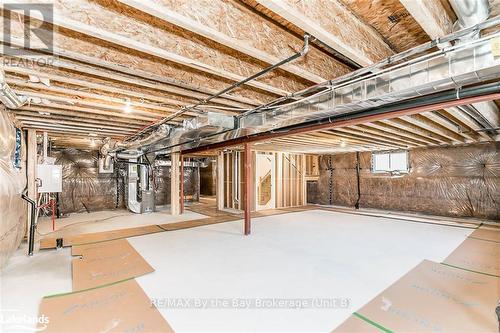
(393, 161)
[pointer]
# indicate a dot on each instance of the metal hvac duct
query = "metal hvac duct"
(470, 13)
(455, 66)
(7, 96)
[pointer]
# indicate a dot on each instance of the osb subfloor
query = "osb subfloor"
(298, 255)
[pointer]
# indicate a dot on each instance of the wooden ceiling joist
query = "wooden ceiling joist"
(466, 122)
(119, 103)
(84, 120)
(31, 119)
(431, 15)
(91, 85)
(122, 41)
(334, 25)
(99, 68)
(188, 24)
(70, 129)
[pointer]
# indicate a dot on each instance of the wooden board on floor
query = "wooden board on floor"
(50, 243)
(484, 233)
(477, 255)
(106, 262)
(436, 297)
(120, 307)
(354, 324)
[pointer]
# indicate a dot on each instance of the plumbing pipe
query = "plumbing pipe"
(31, 240)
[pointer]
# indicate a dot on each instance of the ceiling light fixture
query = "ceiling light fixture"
(343, 144)
(128, 106)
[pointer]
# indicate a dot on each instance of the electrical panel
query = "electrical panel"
(51, 178)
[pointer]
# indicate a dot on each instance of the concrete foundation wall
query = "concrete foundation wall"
(460, 181)
(13, 210)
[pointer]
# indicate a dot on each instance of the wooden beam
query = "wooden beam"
(167, 15)
(123, 41)
(85, 103)
(335, 26)
(431, 15)
(138, 107)
(431, 126)
(86, 65)
(70, 129)
(445, 122)
(466, 121)
(174, 185)
(97, 86)
(402, 133)
(81, 116)
(388, 135)
(93, 126)
(412, 128)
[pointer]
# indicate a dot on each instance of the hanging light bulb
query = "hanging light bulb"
(128, 106)
(343, 144)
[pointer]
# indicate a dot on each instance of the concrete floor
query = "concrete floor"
(312, 254)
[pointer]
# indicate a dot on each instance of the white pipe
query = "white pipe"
(470, 12)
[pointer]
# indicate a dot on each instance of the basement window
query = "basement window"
(390, 161)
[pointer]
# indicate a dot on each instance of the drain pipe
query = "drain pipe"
(235, 85)
(31, 240)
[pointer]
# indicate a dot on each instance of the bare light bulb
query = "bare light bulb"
(128, 106)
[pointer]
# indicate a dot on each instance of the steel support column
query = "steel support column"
(248, 186)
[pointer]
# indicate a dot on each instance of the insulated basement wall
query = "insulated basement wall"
(161, 184)
(460, 181)
(13, 210)
(84, 188)
(87, 190)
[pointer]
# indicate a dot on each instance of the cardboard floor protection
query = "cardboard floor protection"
(487, 234)
(436, 297)
(120, 307)
(106, 262)
(50, 243)
(477, 255)
(355, 324)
